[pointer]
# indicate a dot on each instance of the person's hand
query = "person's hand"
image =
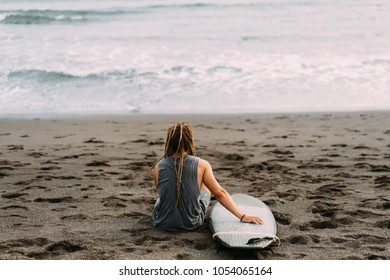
(252, 219)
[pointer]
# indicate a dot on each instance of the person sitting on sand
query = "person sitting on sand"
(185, 184)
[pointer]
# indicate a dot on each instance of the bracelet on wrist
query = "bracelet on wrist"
(242, 218)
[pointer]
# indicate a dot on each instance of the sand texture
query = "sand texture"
(81, 187)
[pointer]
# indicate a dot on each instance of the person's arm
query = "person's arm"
(223, 196)
(155, 174)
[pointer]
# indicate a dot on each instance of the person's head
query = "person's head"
(179, 140)
(178, 143)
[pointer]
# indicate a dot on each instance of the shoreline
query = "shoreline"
(79, 187)
(127, 114)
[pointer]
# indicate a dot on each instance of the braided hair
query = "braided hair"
(179, 141)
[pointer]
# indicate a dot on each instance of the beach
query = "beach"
(80, 187)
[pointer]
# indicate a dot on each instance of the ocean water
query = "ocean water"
(194, 56)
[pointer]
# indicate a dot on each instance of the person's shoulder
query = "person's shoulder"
(203, 163)
(160, 162)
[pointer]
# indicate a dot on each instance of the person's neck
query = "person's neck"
(179, 154)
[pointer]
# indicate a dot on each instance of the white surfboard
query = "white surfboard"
(230, 232)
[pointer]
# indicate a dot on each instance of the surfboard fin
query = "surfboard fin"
(275, 239)
(257, 240)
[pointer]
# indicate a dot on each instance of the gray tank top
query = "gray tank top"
(166, 215)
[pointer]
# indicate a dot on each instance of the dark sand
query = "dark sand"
(81, 187)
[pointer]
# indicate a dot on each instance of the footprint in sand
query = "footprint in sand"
(37, 154)
(15, 207)
(159, 142)
(33, 248)
(382, 181)
(77, 217)
(323, 224)
(375, 257)
(93, 140)
(339, 240)
(3, 174)
(282, 218)
(328, 191)
(298, 239)
(15, 147)
(325, 209)
(184, 257)
(65, 199)
(368, 238)
(234, 157)
(114, 202)
(64, 247)
(316, 224)
(290, 195)
(364, 214)
(98, 163)
(385, 224)
(13, 195)
(48, 168)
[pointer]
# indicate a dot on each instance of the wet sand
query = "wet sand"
(81, 187)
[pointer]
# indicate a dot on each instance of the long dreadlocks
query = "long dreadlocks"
(178, 143)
